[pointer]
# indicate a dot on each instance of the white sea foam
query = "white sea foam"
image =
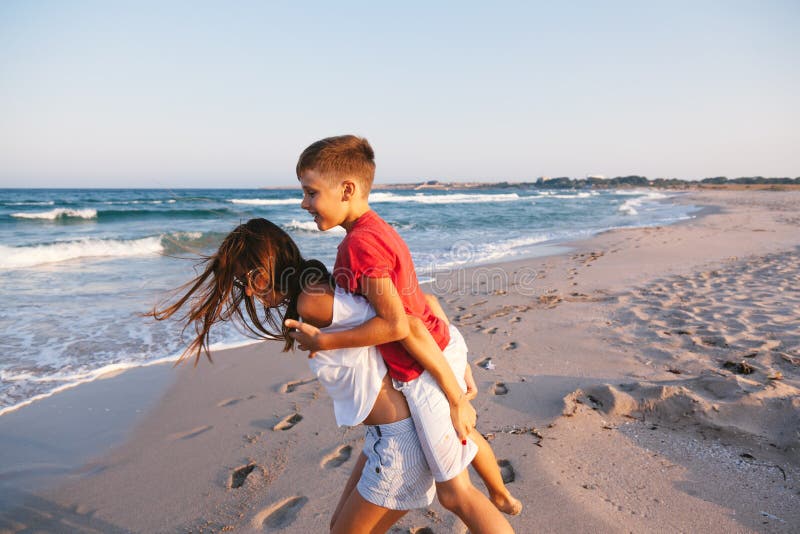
(186, 235)
(639, 192)
(582, 194)
(58, 213)
(629, 206)
(489, 252)
(129, 202)
(30, 256)
(265, 201)
(30, 203)
(311, 226)
(495, 251)
(628, 192)
(456, 198)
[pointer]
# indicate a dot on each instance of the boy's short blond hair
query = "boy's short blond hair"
(338, 157)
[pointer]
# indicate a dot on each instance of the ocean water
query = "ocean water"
(78, 267)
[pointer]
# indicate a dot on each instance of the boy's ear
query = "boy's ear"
(348, 190)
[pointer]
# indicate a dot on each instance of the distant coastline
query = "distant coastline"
(620, 182)
(756, 182)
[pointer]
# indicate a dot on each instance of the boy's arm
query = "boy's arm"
(423, 348)
(436, 308)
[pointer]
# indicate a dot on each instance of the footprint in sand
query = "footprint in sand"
(289, 387)
(234, 400)
(337, 457)
(279, 515)
(511, 345)
(490, 331)
(189, 434)
(288, 422)
(240, 474)
(506, 471)
(82, 509)
(515, 319)
(486, 363)
(500, 388)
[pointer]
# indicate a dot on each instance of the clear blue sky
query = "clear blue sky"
(226, 94)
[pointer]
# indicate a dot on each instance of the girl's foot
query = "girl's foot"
(507, 504)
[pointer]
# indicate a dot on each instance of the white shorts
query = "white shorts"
(445, 454)
(396, 475)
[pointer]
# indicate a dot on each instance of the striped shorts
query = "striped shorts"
(396, 475)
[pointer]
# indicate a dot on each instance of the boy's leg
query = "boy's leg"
(444, 452)
(485, 464)
(448, 458)
(462, 498)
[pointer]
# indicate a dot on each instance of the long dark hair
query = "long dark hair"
(214, 296)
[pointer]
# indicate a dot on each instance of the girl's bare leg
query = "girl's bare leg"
(355, 514)
(352, 482)
(359, 516)
(485, 463)
(476, 511)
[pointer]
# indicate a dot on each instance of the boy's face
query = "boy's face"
(325, 202)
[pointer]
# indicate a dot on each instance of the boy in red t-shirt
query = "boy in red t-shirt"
(336, 175)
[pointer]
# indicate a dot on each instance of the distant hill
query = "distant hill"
(619, 182)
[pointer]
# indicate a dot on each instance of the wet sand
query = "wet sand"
(645, 381)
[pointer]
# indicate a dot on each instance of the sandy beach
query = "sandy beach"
(645, 380)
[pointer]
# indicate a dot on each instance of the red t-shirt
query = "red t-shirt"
(374, 249)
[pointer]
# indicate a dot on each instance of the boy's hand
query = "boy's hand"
(464, 417)
(308, 337)
(472, 388)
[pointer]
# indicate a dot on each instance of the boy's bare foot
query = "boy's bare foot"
(508, 505)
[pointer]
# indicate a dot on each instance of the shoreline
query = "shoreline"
(111, 371)
(549, 247)
(542, 346)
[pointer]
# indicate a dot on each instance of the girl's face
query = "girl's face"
(257, 284)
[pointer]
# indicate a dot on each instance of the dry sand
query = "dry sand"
(645, 381)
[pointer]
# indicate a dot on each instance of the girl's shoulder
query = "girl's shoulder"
(315, 305)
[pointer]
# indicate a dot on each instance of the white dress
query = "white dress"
(352, 376)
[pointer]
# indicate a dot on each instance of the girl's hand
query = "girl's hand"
(472, 388)
(308, 337)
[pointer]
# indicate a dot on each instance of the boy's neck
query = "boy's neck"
(353, 214)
